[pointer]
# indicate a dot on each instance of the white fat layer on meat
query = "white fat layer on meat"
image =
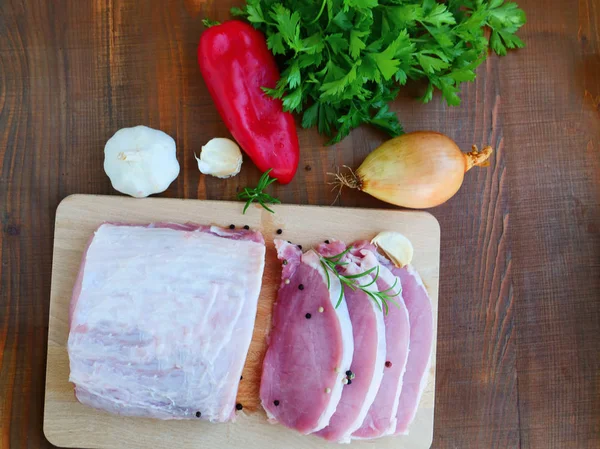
(379, 361)
(370, 261)
(164, 321)
(311, 258)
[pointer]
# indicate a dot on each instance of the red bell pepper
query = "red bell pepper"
(235, 63)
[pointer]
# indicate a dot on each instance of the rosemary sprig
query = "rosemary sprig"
(256, 194)
(381, 298)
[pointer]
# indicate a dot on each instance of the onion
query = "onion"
(418, 170)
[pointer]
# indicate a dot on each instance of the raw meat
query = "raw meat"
(310, 345)
(368, 361)
(420, 314)
(162, 317)
(381, 418)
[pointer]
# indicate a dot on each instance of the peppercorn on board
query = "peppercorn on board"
(68, 423)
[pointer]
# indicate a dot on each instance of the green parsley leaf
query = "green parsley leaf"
(311, 115)
(337, 42)
(275, 44)
(356, 44)
(343, 61)
(254, 13)
(336, 87)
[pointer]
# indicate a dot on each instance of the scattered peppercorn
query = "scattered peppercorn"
(308, 316)
(308, 168)
(349, 382)
(301, 287)
(276, 403)
(388, 364)
(241, 377)
(289, 242)
(239, 406)
(279, 231)
(246, 227)
(284, 261)
(198, 414)
(348, 373)
(231, 226)
(327, 241)
(299, 246)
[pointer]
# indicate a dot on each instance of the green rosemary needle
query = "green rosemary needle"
(381, 298)
(256, 194)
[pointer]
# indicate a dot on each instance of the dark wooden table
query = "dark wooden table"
(519, 322)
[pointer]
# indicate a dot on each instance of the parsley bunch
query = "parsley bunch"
(343, 61)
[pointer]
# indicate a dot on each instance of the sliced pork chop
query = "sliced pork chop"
(310, 344)
(162, 317)
(381, 418)
(368, 361)
(420, 314)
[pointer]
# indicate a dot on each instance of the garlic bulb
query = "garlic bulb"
(140, 161)
(396, 246)
(220, 157)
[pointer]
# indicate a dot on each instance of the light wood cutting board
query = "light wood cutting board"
(67, 423)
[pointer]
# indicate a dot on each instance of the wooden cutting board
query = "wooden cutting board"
(67, 423)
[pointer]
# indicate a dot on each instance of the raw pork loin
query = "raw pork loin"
(368, 361)
(310, 345)
(162, 317)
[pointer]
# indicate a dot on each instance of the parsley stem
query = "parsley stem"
(320, 12)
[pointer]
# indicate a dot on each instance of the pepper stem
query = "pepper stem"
(478, 158)
(210, 23)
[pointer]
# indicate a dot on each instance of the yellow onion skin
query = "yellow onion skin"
(418, 170)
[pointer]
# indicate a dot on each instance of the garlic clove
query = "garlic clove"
(220, 157)
(395, 246)
(140, 161)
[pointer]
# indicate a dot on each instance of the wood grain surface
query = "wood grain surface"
(519, 317)
(68, 423)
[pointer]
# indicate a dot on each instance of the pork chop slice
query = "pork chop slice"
(381, 419)
(161, 319)
(368, 361)
(420, 314)
(310, 345)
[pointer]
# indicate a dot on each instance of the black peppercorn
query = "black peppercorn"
(349, 373)
(301, 287)
(308, 316)
(231, 226)
(327, 241)
(349, 382)
(198, 414)
(388, 364)
(284, 262)
(279, 231)
(239, 406)
(246, 227)
(299, 246)
(241, 377)
(276, 403)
